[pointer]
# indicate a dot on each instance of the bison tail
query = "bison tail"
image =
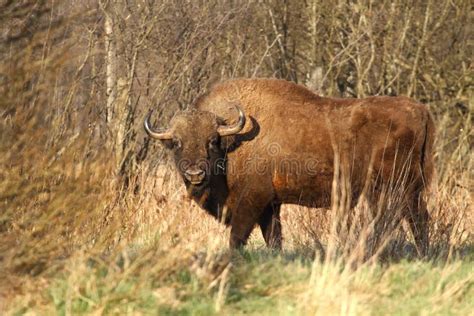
(427, 163)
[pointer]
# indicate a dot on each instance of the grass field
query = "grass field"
(254, 281)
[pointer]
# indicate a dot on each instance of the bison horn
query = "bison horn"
(225, 130)
(158, 134)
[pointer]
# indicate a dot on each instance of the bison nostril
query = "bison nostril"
(195, 172)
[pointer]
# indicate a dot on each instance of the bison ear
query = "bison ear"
(232, 142)
(229, 143)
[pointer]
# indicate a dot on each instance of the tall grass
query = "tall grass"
(93, 246)
(76, 238)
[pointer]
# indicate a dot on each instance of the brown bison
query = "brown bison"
(250, 145)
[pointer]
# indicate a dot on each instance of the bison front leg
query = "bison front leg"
(271, 226)
(240, 228)
(245, 214)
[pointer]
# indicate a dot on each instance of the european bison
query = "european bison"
(249, 145)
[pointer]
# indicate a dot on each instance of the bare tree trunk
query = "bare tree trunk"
(111, 67)
(314, 75)
(114, 112)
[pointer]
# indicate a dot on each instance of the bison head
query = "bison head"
(196, 140)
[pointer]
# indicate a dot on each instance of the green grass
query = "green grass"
(257, 282)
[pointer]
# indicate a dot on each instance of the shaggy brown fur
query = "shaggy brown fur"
(286, 152)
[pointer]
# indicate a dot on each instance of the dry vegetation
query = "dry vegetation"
(92, 217)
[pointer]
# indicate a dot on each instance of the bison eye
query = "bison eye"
(176, 143)
(213, 143)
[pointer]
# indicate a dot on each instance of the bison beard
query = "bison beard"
(287, 150)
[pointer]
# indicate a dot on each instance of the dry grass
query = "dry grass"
(78, 236)
(93, 247)
(92, 244)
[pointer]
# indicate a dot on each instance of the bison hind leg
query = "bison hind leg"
(418, 219)
(270, 226)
